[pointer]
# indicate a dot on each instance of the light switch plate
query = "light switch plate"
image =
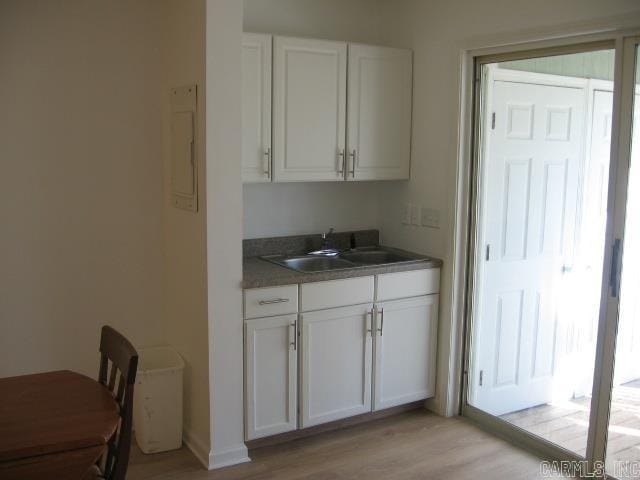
(406, 214)
(430, 217)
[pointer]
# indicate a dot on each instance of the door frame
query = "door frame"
(466, 222)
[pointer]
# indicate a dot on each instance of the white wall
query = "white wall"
(224, 231)
(185, 276)
(287, 209)
(81, 180)
(438, 31)
(301, 208)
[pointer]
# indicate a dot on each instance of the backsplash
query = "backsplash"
(300, 244)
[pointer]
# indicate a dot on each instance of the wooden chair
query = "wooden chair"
(118, 353)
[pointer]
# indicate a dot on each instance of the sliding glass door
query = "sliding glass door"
(623, 432)
(543, 176)
(554, 269)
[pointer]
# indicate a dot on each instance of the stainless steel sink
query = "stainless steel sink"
(363, 257)
(310, 263)
(376, 257)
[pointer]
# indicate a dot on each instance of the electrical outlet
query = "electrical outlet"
(406, 215)
(415, 215)
(430, 217)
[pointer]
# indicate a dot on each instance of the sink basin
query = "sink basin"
(309, 263)
(376, 257)
(366, 256)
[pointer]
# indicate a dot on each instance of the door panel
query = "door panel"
(379, 113)
(336, 364)
(309, 110)
(533, 160)
(623, 430)
(405, 351)
(271, 375)
(256, 108)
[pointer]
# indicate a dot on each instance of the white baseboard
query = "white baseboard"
(214, 460)
(197, 447)
(229, 457)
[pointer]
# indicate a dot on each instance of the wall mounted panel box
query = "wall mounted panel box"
(184, 169)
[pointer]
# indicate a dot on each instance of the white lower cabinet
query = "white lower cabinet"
(271, 375)
(336, 363)
(348, 360)
(405, 351)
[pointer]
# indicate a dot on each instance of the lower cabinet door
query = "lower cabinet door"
(405, 351)
(271, 375)
(336, 363)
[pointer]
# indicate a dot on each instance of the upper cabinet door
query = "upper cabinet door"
(379, 113)
(310, 80)
(256, 108)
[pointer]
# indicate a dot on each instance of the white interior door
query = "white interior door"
(405, 351)
(271, 375)
(309, 109)
(336, 363)
(531, 166)
(379, 113)
(256, 107)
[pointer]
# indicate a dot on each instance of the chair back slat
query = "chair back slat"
(104, 369)
(119, 354)
(120, 393)
(112, 377)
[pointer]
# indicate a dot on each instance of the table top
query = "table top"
(53, 412)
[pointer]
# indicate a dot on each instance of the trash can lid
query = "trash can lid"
(162, 358)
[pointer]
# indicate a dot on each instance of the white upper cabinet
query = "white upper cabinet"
(256, 108)
(309, 109)
(379, 113)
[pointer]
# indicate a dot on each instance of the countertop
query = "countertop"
(259, 273)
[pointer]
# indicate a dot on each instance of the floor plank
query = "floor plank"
(566, 424)
(412, 445)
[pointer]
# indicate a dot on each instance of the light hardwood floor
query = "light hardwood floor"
(412, 445)
(566, 424)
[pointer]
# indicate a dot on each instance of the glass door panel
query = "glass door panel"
(623, 438)
(540, 229)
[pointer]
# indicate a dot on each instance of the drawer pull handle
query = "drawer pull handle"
(271, 302)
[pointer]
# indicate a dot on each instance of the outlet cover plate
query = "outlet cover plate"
(430, 217)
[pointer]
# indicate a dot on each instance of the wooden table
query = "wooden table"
(53, 425)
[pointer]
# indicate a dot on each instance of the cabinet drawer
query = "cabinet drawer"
(270, 301)
(336, 293)
(408, 284)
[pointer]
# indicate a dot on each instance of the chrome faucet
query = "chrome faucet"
(325, 249)
(325, 239)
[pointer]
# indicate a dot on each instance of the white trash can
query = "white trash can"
(157, 400)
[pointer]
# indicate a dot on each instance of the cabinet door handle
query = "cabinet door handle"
(381, 321)
(294, 325)
(352, 154)
(271, 302)
(614, 275)
(370, 322)
(341, 161)
(267, 158)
